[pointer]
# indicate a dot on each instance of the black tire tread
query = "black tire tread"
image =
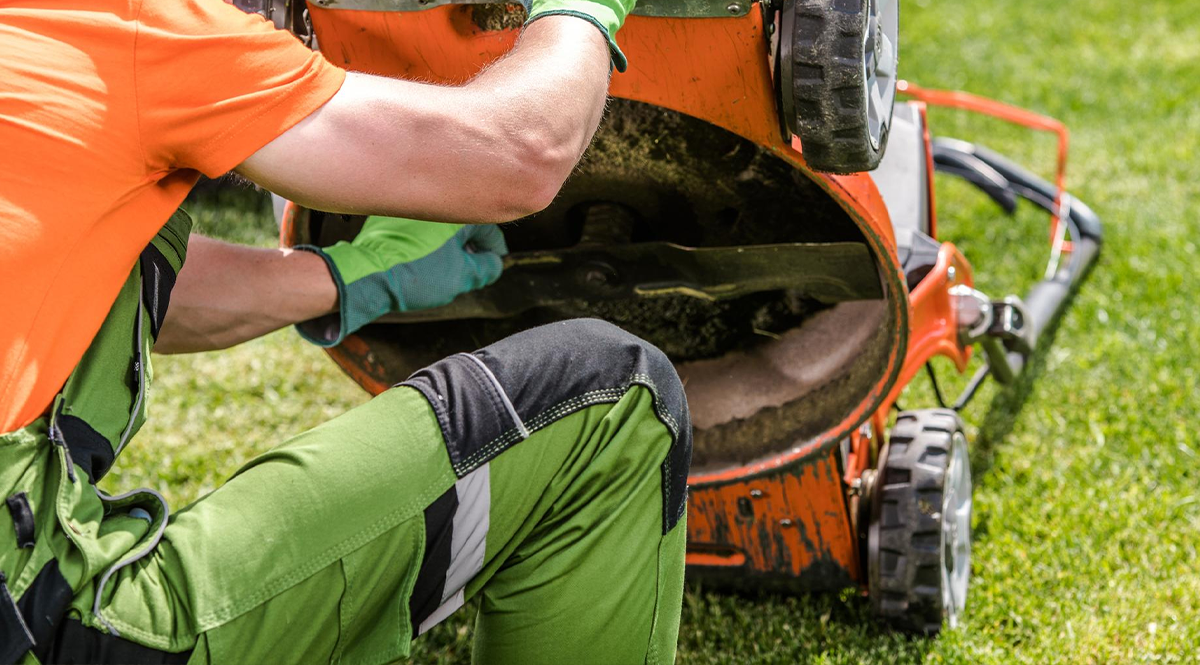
(913, 474)
(830, 114)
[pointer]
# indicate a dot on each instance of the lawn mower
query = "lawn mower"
(759, 203)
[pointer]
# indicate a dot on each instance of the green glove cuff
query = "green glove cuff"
(601, 16)
(329, 330)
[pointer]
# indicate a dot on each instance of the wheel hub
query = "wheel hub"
(956, 531)
(879, 61)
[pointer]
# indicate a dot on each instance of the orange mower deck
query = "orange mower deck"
(781, 492)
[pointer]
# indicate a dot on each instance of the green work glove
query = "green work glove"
(397, 265)
(607, 15)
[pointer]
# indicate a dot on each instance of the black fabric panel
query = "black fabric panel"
(43, 605)
(22, 517)
(431, 579)
(466, 404)
(15, 638)
(89, 449)
(78, 644)
(550, 372)
(675, 473)
(158, 279)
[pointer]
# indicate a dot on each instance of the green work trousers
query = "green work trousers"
(544, 475)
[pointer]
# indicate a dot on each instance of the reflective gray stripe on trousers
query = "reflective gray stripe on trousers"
(468, 542)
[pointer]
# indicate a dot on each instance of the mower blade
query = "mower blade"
(828, 272)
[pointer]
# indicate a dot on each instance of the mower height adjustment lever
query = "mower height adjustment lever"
(1000, 326)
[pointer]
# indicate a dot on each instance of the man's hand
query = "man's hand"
(398, 265)
(227, 294)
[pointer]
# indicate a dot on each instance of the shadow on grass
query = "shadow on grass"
(722, 626)
(1008, 402)
(1006, 405)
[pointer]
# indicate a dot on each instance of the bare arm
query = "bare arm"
(227, 294)
(494, 149)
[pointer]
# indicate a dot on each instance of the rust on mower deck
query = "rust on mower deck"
(792, 529)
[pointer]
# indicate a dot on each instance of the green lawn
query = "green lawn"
(1087, 508)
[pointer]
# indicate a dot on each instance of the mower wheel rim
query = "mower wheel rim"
(880, 58)
(956, 531)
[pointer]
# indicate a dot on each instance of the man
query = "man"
(545, 474)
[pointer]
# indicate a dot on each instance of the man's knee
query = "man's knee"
(581, 361)
(489, 400)
(588, 354)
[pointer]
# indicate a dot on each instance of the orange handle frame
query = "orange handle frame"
(1018, 116)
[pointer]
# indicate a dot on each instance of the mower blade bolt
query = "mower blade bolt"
(599, 276)
(735, 8)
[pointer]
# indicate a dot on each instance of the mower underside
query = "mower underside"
(773, 343)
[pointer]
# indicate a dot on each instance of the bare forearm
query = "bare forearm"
(227, 294)
(555, 85)
(536, 110)
(494, 149)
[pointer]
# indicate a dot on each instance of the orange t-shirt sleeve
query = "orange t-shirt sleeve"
(215, 84)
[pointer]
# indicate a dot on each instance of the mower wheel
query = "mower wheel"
(919, 537)
(838, 61)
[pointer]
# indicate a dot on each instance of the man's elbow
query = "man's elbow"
(542, 166)
(526, 195)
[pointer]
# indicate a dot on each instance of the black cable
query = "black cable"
(937, 390)
(967, 395)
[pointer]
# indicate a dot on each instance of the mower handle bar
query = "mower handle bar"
(1004, 181)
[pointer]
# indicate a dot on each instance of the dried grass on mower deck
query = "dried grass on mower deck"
(498, 16)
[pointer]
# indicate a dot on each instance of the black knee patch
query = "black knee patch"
(486, 403)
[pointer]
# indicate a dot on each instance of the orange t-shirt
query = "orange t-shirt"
(109, 109)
